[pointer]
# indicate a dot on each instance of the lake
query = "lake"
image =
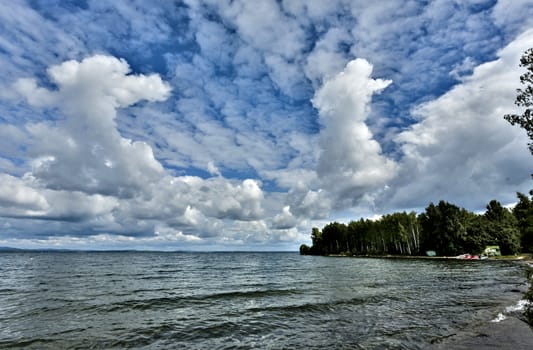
(152, 300)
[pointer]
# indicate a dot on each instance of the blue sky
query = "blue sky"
(240, 125)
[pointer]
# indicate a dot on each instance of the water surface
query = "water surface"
(244, 300)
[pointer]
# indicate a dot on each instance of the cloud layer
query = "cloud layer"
(232, 125)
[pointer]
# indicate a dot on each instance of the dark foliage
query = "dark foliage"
(444, 228)
(524, 98)
(523, 212)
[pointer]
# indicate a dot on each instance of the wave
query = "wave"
(318, 307)
(519, 307)
(251, 294)
(181, 301)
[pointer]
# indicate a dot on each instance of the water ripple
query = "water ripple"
(243, 300)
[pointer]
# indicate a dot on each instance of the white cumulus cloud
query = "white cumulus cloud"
(351, 162)
(84, 151)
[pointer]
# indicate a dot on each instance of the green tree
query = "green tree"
(478, 234)
(362, 235)
(495, 211)
(398, 233)
(318, 242)
(444, 228)
(523, 212)
(502, 228)
(334, 237)
(524, 98)
(304, 249)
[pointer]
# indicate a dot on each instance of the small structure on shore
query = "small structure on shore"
(492, 250)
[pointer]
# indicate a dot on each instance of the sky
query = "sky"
(240, 125)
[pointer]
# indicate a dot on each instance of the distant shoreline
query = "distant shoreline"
(521, 257)
(63, 250)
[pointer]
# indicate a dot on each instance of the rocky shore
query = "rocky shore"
(511, 333)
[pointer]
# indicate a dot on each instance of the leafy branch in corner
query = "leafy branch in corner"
(524, 98)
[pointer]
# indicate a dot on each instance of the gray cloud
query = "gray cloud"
(461, 149)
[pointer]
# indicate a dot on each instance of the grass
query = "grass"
(523, 256)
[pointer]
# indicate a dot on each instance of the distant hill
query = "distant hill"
(9, 249)
(63, 250)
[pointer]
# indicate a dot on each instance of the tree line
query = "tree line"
(444, 228)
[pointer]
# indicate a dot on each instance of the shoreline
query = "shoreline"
(526, 258)
(510, 333)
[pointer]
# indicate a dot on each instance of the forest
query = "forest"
(444, 228)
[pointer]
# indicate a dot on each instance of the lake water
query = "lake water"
(244, 300)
